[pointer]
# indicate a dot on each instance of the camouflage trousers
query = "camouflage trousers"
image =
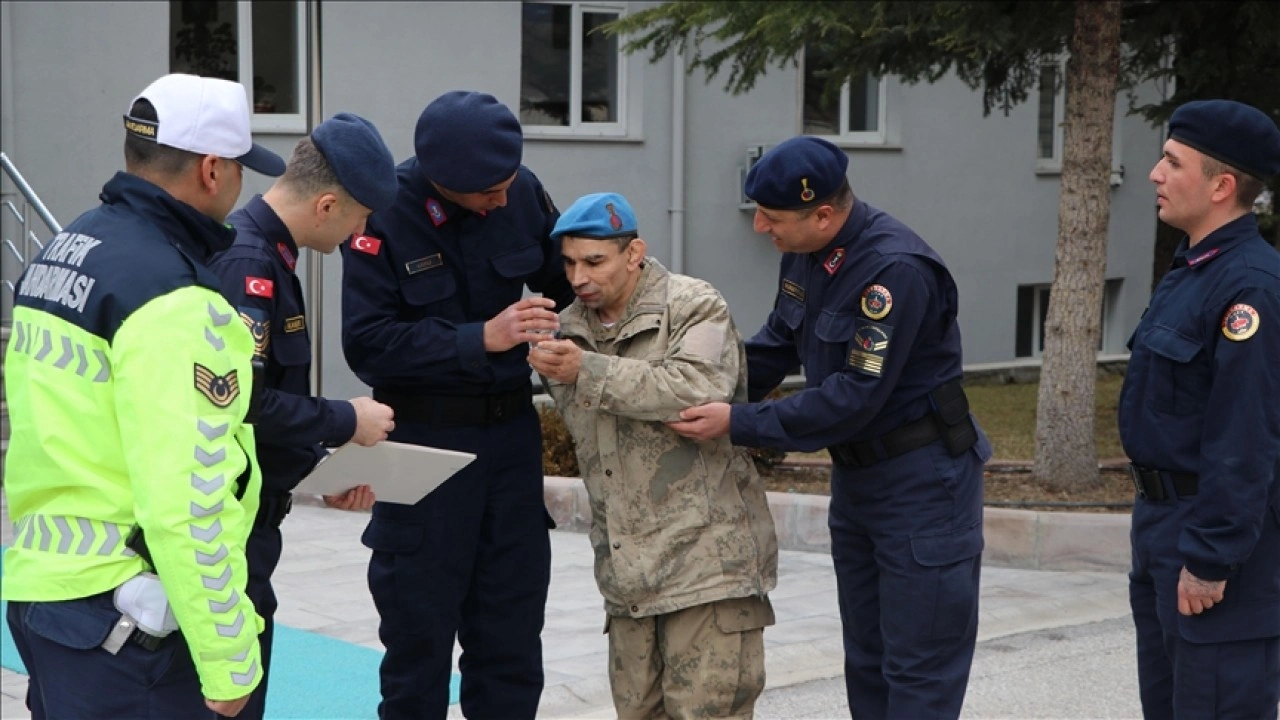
(705, 661)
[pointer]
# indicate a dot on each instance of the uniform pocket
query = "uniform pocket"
(937, 602)
(429, 288)
(518, 264)
(291, 350)
(397, 576)
(742, 614)
(1180, 380)
(77, 624)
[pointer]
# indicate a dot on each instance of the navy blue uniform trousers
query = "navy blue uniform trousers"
(1187, 680)
(73, 678)
(471, 560)
(263, 555)
(906, 541)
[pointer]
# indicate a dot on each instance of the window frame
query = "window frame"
(278, 123)
(845, 138)
(1053, 163)
(576, 127)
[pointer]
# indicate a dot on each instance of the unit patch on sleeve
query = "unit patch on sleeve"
(876, 302)
(367, 244)
(294, 324)
(793, 289)
(869, 347)
(221, 390)
(422, 264)
(1240, 322)
(259, 327)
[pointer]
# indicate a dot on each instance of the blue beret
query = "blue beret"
(797, 173)
(1239, 135)
(468, 141)
(359, 158)
(598, 216)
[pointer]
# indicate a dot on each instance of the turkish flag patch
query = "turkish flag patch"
(366, 244)
(260, 287)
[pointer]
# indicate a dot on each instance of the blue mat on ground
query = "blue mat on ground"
(313, 676)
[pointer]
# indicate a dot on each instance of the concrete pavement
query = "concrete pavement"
(321, 584)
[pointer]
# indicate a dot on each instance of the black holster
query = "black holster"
(950, 408)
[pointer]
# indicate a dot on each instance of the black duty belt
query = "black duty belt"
(272, 509)
(145, 640)
(1150, 486)
(455, 410)
(912, 436)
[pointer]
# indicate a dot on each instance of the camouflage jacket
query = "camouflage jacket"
(675, 522)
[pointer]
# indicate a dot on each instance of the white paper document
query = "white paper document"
(396, 472)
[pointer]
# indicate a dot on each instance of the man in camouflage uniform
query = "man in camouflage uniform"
(684, 542)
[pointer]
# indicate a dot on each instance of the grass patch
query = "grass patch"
(1008, 415)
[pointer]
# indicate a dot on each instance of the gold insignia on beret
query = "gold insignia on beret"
(221, 390)
(1240, 322)
(877, 301)
(807, 193)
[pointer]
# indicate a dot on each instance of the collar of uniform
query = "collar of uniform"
(1216, 243)
(848, 232)
(196, 234)
(428, 193)
(274, 232)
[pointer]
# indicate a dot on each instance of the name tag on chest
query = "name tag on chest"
(422, 264)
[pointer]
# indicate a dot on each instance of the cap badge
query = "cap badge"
(834, 261)
(876, 301)
(1240, 322)
(436, 212)
(807, 193)
(615, 222)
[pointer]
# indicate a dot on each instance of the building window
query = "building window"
(1033, 310)
(572, 76)
(259, 43)
(1052, 106)
(856, 115)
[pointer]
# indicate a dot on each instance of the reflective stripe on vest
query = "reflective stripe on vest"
(71, 535)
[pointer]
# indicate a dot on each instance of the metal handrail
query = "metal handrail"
(29, 194)
(22, 216)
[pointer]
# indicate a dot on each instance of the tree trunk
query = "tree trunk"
(1066, 449)
(1167, 239)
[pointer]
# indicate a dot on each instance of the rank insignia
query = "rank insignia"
(221, 390)
(290, 260)
(259, 327)
(413, 267)
(1240, 322)
(869, 347)
(793, 289)
(834, 260)
(436, 212)
(295, 324)
(876, 301)
(259, 287)
(366, 244)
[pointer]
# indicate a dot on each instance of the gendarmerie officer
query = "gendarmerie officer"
(868, 310)
(1200, 419)
(433, 320)
(334, 179)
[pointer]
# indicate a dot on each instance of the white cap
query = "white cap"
(206, 116)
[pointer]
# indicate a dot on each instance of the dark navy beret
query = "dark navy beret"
(1239, 135)
(359, 158)
(468, 141)
(598, 216)
(797, 173)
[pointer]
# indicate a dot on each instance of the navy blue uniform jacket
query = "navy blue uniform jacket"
(419, 285)
(258, 279)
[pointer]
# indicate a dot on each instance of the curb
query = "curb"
(1022, 539)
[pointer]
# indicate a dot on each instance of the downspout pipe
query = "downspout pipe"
(677, 161)
(315, 260)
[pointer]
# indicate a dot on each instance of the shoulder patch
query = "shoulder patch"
(259, 327)
(869, 346)
(793, 289)
(367, 244)
(259, 287)
(1240, 322)
(877, 301)
(221, 390)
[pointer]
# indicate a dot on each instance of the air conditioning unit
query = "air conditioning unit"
(749, 159)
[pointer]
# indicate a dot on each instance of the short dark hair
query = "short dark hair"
(842, 199)
(142, 154)
(308, 172)
(1248, 187)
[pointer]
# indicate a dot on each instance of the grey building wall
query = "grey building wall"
(965, 182)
